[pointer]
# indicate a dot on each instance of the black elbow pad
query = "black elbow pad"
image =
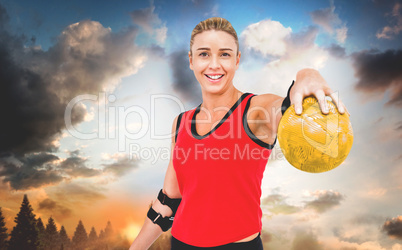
(164, 222)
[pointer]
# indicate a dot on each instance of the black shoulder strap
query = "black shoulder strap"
(178, 125)
(286, 101)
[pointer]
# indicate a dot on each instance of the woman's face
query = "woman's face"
(214, 60)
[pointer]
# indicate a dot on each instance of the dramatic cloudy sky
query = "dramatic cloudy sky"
(89, 90)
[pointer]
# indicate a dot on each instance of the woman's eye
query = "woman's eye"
(225, 54)
(203, 54)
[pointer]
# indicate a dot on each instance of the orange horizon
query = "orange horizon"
(126, 217)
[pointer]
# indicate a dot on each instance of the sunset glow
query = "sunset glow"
(89, 91)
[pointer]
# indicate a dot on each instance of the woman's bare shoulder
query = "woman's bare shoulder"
(264, 100)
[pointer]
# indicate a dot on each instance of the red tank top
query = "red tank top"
(219, 176)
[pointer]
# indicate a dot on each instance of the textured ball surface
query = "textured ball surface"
(315, 142)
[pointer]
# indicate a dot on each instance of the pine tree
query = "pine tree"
(80, 237)
(52, 240)
(24, 235)
(101, 235)
(92, 237)
(40, 226)
(64, 240)
(101, 240)
(41, 233)
(108, 234)
(108, 230)
(3, 232)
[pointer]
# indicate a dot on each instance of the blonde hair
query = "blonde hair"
(214, 23)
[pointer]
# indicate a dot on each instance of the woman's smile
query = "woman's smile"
(214, 77)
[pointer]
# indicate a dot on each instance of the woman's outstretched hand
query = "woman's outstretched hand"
(309, 82)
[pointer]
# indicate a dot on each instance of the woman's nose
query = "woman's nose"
(214, 62)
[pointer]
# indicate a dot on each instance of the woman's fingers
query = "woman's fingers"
(298, 96)
(320, 95)
(339, 104)
(297, 100)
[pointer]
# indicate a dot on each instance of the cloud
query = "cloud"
(393, 227)
(390, 31)
(57, 210)
(184, 81)
(214, 12)
(301, 41)
(120, 167)
(300, 52)
(43, 169)
(32, 171)
(341, 34)
(378, 72)
(146, 18)
(266, 37)
(4, 17)
(330, 22)
(266, 237)
(149, 21)
(75, 167)
(305, 240)
(345, 236)
(367, 219)
(276, 204)
(161, 34)
(326, 18)
(77, 193)
(335, 243)
(360, 228)
(37, 85)
(336, 51)
(324, 200)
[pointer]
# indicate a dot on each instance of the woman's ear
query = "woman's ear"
(238, 60)
(190, 59)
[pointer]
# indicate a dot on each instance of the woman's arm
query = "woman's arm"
(265, 109)
(150, 231)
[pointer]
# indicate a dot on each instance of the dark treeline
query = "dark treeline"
(30, 233)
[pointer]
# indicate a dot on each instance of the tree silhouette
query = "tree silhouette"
(108, 230)
(101, 240)
(64, 240)
(93, 240)
(80, 237)
(92, 237)
(3, 232)
(102, 235)
(52, 240)
(24, 235)
(108, 235)
(41, 233)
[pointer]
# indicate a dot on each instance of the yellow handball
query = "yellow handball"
(314, 142)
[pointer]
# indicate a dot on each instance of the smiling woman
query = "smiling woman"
(211, 197)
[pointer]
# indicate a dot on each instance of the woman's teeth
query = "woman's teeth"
(214, 77)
